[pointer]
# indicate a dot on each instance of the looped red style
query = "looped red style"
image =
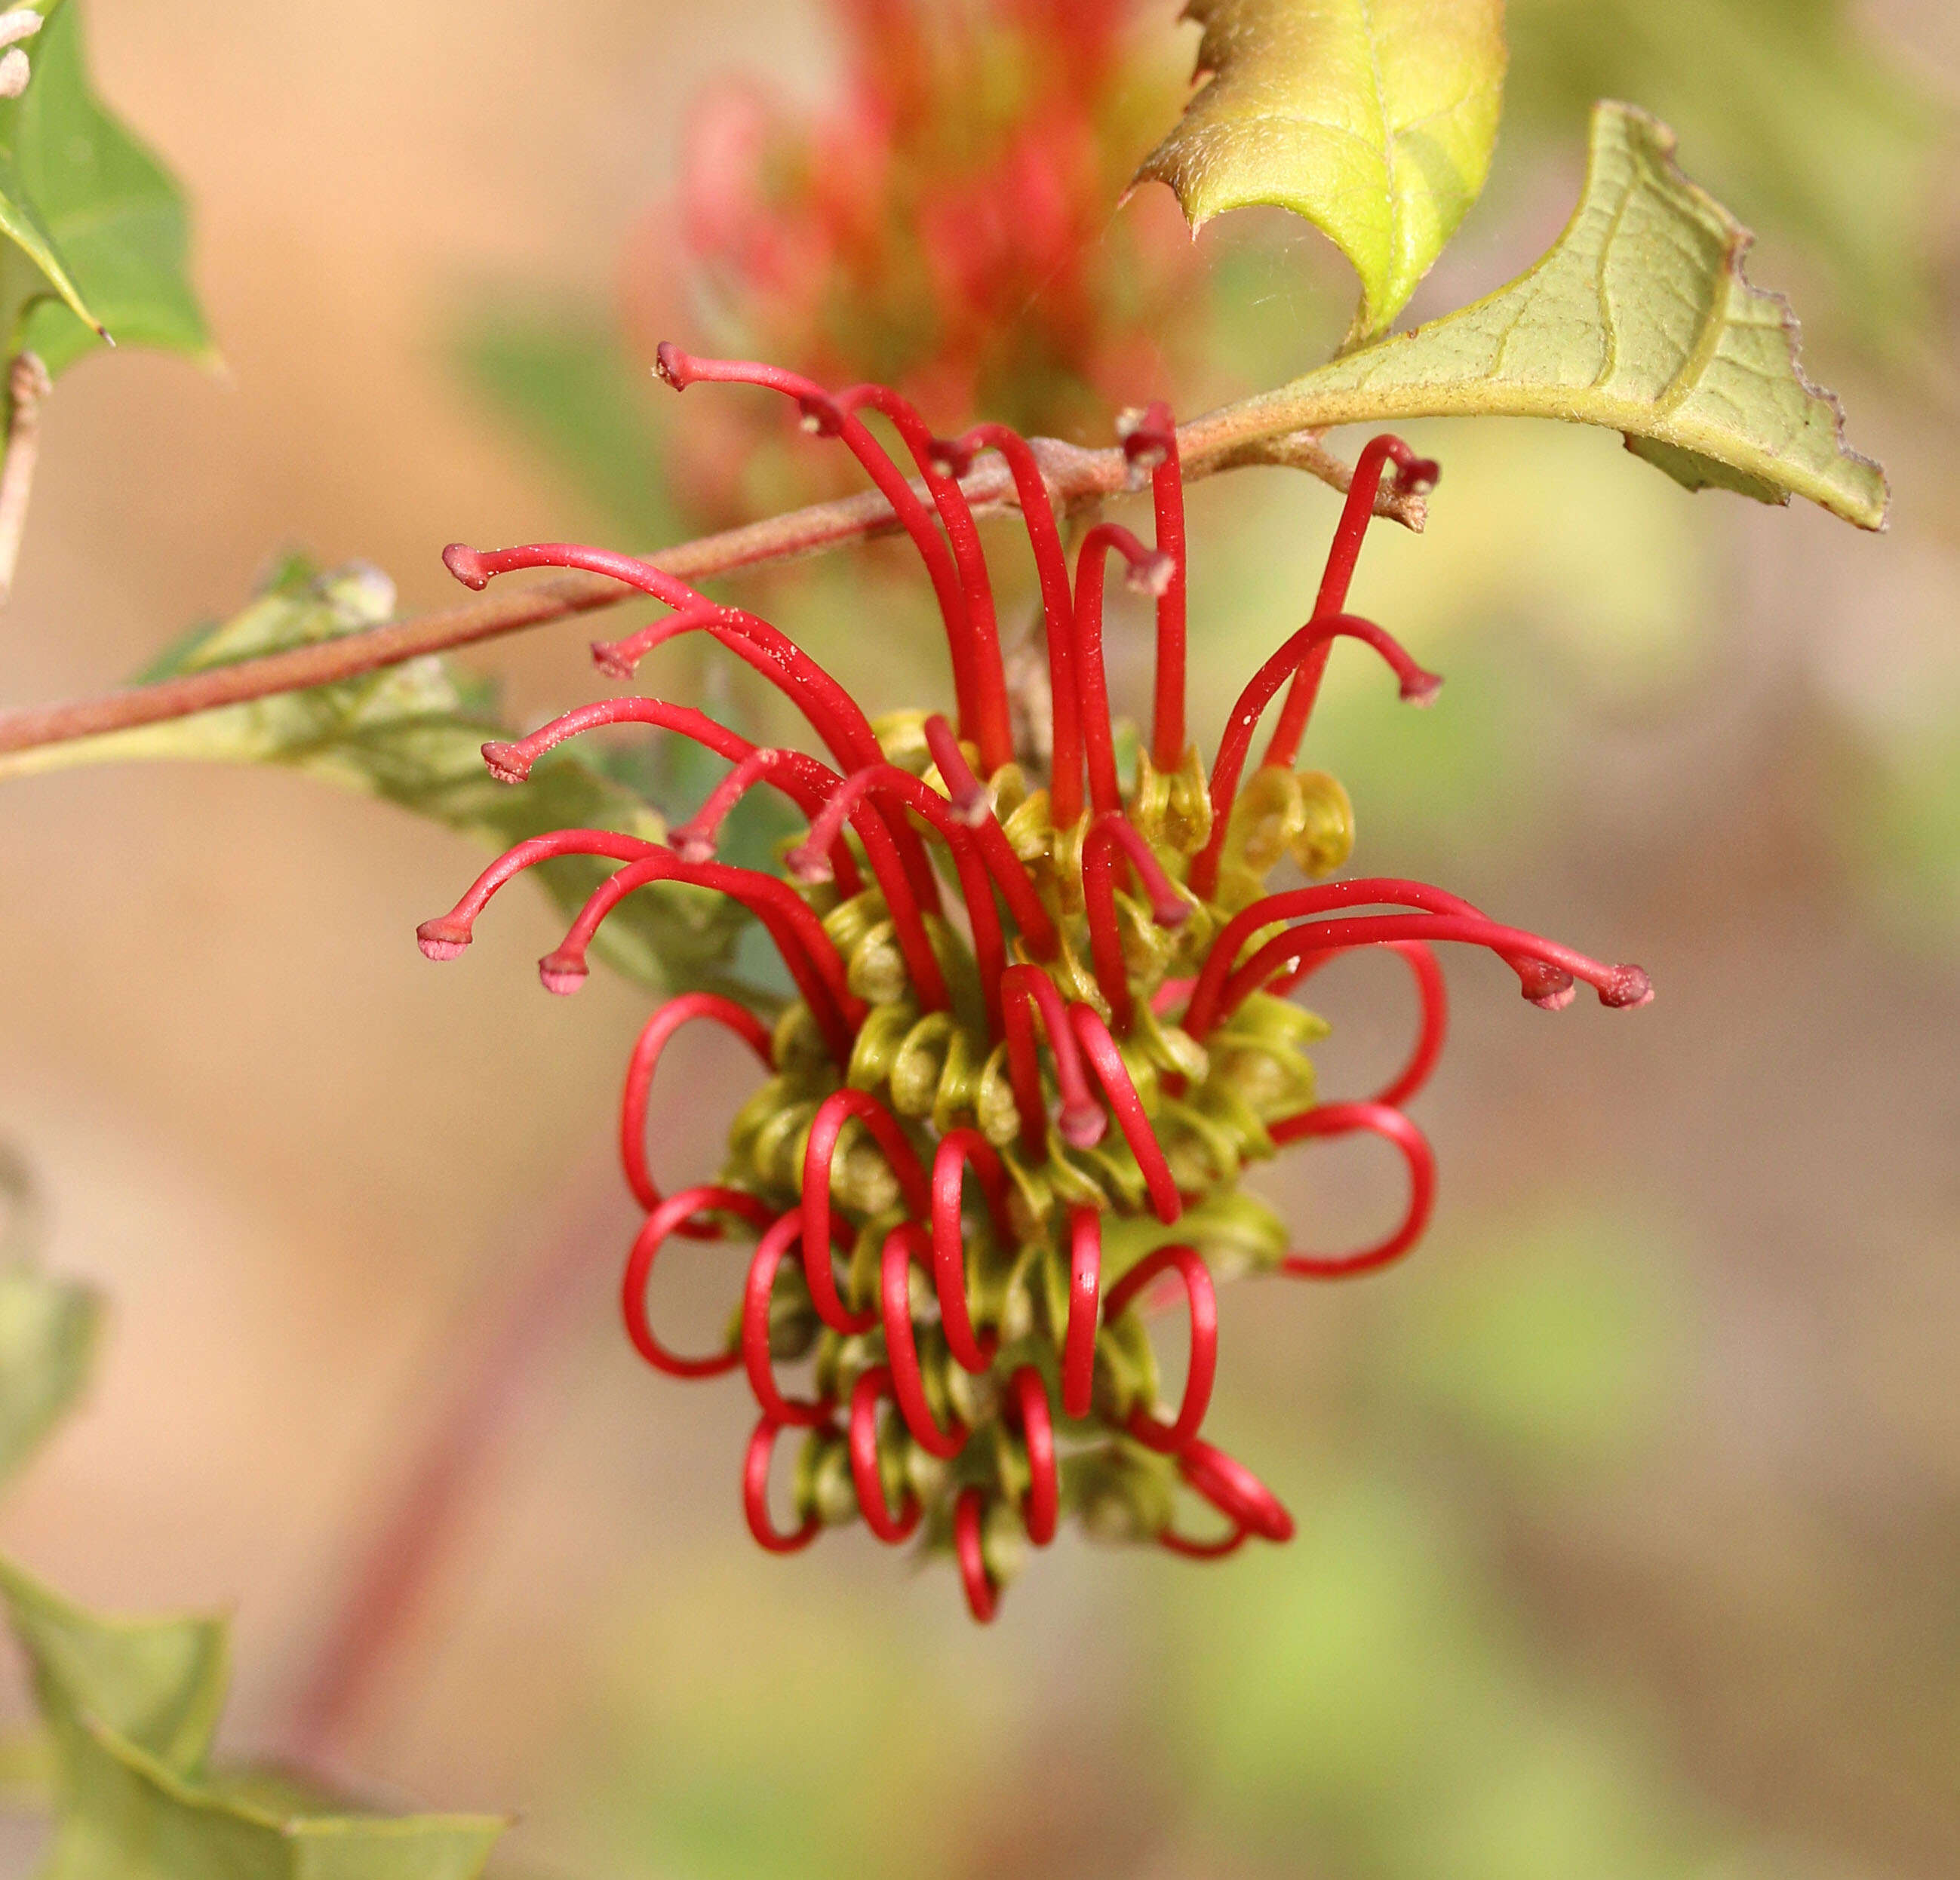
(755, 1495)
(1374, 1119)
(959, 1150)
(826, 1127)
(1237, 1493)
(1131, 1118)
(662, 1222)
(645, 1060)
(904, 1045)
(757, 1295)
(1172, 1437)
(1044, 1501)
(1085, 1287)
(905, 1243)
(969, 1548)
(1433, 1024)
(865, 1474)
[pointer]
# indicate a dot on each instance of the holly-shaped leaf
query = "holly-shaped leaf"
(413, 734)
(1373, 118)
(1639, 319)
(48, 1327)
(130, 1706)
(100, 234)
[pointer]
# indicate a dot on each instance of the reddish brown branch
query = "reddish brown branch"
(1222, 440)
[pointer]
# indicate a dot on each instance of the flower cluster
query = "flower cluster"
(945, 225)
(1041, 1027)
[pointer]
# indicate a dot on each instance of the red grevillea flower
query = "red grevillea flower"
(941, 221)
(1041, 1028)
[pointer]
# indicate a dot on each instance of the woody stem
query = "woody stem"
(1257, 431)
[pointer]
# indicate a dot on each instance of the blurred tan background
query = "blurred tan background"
(1647, 1466)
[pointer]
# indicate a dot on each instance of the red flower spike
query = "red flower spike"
(988, 716)
(834, 418)
(1533, 973)
(806, 950)
(1375, 1119)
(919, 1135)
(1010, 875)
(1132, 1118)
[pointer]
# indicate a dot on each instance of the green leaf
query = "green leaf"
(1639, 319)
(157, 1683)
(48, 1327)
(412, 735)
(48, 1331)
(1373, 118)
(131, 1706)
(100, 226)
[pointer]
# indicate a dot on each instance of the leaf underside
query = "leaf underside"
(1375, 120)
(1639, 319)
(413, 735)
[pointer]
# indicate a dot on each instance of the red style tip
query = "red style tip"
(443, 939)
(1417, 476)
(1420, 688)
(809, 864)
(1146, 437)
(819, 417)
(507, 762)
(673, 365)
(691, 845)
(1549, 987)
(561, 973)
(1082, 1124)
(949, 457)
(1152, 575)
(607, 656)
(466, 565)
(1629, 987)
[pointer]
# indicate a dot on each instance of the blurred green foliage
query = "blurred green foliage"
(128, 1708)
(1787, 109)
(99, 235)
